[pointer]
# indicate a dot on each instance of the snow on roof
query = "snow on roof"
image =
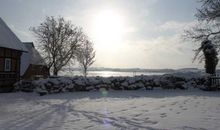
(8, 39)
(32, 57)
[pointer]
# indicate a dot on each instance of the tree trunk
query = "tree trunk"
(210, 66)
(55, 71)
(85, 72)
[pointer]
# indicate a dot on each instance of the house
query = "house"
(18, 60)
(11, 49)
(32, 64)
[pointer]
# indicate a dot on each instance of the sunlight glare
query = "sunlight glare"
(108, 28)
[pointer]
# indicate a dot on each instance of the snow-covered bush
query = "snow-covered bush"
(25, 86)
(79, 83)
(172, 82)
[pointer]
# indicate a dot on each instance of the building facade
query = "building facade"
(32, 64)
(18, 60)
(11, 49)
(9, 67)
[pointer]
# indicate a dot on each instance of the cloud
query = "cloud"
(176, 25)
(160, 52)
(171, 52)
(164, 52)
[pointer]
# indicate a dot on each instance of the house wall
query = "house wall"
(35, 71)
(8, 78)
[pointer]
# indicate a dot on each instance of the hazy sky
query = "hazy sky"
(126, 33)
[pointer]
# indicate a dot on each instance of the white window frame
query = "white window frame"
(7, 64)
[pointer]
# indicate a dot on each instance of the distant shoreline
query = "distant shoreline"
(135, 70)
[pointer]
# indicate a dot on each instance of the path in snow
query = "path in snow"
(153, 110)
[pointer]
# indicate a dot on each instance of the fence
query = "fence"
(215, 81)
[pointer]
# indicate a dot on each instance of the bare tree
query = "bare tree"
(210, 10)
(207, 29)
(59, 40)
(86, 55)
(208, 26)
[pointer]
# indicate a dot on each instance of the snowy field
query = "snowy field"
(114, 110)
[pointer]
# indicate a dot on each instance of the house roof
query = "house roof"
(33, 57)
(8, 39)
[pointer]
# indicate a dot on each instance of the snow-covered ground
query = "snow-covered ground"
(112, 110)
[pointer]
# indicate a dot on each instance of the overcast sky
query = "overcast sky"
(137, 33)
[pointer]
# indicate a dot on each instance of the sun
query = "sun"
(108, 28)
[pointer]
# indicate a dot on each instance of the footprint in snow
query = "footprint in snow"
(174, 103)
(178, 113)
(145, 111)
(135, 119)
(88, 127)
(180, 106)
(184, 109)
(124, 110)
(151, 122)
(137, 115)
(74, 120)
(147, 118)
(162, 115)
(184, 102)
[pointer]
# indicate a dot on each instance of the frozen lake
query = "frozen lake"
(110, 73)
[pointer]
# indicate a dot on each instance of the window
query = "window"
(1, 52)
(7, 64)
